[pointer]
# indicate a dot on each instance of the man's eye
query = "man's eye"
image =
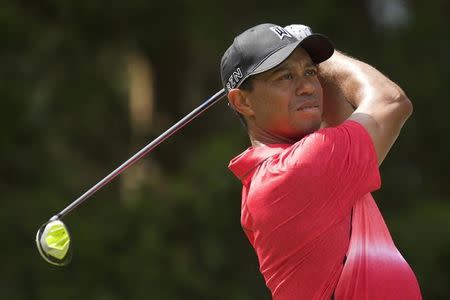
(287, 76)
(311, 72)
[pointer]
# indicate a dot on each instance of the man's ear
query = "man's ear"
(240, 102)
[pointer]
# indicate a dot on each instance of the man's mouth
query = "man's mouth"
(309, 107)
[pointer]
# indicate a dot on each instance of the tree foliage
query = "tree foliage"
(65, 125)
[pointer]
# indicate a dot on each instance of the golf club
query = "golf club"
(53, 238)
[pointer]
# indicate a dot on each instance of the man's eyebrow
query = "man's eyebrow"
(286, 66)
(279, 68)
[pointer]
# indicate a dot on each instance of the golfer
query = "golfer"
(320, 123)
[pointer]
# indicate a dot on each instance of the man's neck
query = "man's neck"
(264, 138)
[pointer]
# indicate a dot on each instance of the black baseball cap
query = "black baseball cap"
(265, 46)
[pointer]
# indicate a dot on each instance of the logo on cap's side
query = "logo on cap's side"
(234, 79)
(280, 32)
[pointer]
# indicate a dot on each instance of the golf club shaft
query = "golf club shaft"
(180, 124)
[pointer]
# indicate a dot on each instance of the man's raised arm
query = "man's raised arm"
(381, 106)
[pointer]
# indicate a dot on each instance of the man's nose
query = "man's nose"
(305, 87)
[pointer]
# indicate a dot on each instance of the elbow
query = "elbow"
(405, 105)
(400, 102)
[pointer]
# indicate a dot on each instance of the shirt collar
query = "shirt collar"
(244, 163)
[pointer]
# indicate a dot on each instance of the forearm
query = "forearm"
(336, 106)
(345, 79)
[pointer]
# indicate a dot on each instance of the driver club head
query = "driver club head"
(53, 242)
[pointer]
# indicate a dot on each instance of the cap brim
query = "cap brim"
(318, 46)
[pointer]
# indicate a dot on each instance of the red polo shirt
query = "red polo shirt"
(296, 206)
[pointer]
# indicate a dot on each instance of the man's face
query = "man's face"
(287, 100)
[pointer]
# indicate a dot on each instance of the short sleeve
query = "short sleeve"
(339, 163)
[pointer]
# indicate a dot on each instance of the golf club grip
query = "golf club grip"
(177, 126)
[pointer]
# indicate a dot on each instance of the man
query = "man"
(306, 203)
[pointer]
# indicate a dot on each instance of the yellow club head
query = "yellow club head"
(53, 243)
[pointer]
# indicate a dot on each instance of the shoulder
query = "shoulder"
(329, 144)
(348, 129)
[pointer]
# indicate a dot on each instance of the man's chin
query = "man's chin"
(313, 127)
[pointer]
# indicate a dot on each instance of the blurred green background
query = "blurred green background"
(85, 84)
